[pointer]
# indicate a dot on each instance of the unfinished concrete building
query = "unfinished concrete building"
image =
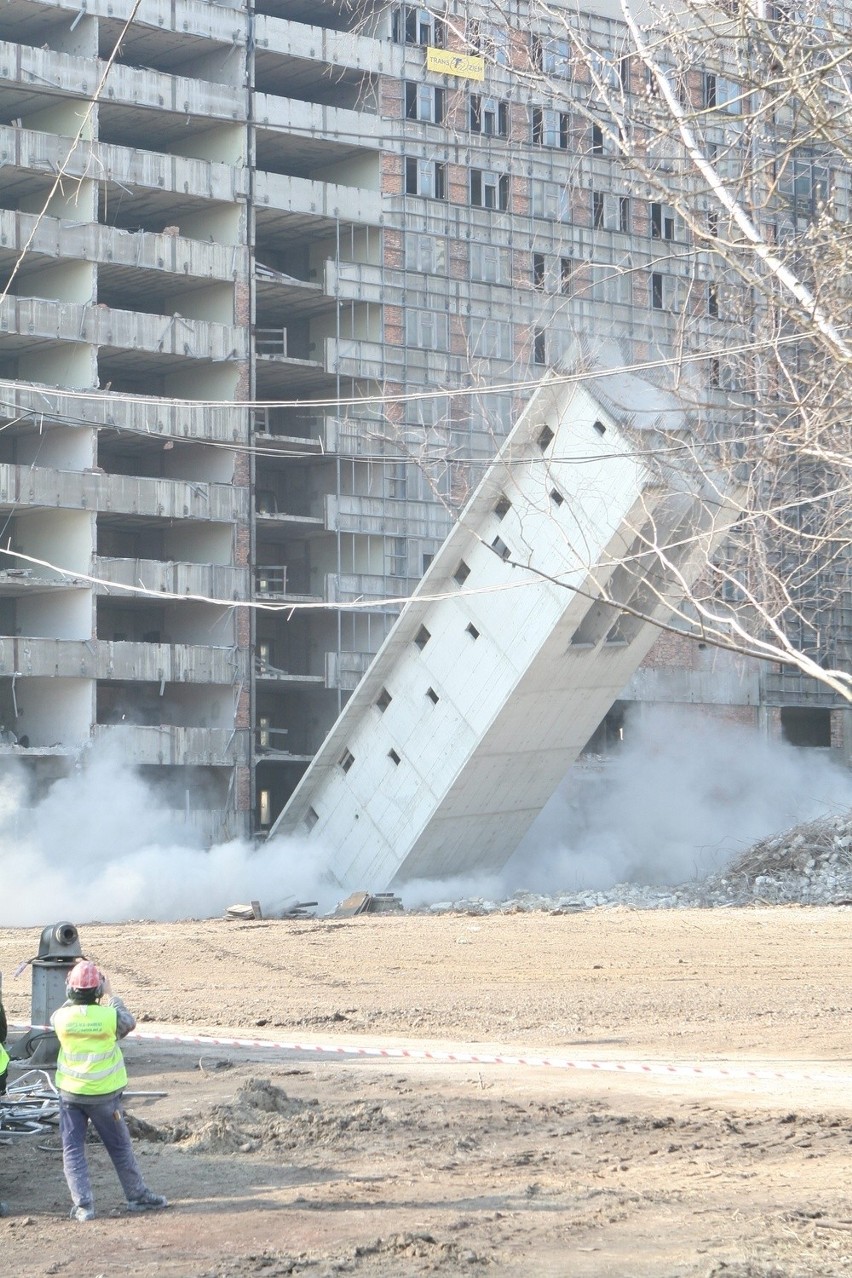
(237, 291)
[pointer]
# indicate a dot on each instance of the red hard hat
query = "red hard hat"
(85, 975)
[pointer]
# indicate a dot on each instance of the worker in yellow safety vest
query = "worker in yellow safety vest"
(90, 1079)
(4, 1068)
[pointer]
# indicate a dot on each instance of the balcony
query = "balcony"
(314, 206)
(137, 413)
(25, 319)
(124, 494)
(385, 518)
(101, 659)
(178, 255)
(168, 744)
(24, 152)
(213, 581)
(321, 48)
(344, 670)
(28, 72)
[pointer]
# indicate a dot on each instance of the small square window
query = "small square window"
(422, 638)
(499, 546)
(462, 573)
(311, 818)
(545, 439)
(433, 696)
(503, 506)
(383, 700)
(556, 497)
(346, 760)
(599, 427)
(471, 629)
(394, 758)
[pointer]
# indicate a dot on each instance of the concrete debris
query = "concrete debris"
(252, 911)
(290, 908)
(367, 903)
(807, 865)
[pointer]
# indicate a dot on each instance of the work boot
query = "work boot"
(82, 1214)
(147, 1202)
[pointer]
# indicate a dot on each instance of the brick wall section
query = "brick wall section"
(394, 256)
(242, 545)
(391, 98)
(392, 174)
(519, 196)
(458, 184)
(242, 297)
(242, 789)
(394, 325)
(242, 710)
(459, 260)
(674, 652)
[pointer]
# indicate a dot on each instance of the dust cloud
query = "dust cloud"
(100, 848)
(679, 799)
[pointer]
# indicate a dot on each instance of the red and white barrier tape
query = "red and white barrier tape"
(470, 1058)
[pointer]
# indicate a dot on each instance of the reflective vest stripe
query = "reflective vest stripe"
(90, 1060)
(4, 1059)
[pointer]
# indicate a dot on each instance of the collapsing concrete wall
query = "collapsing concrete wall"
(535, 612)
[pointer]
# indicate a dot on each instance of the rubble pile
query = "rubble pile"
(261, 1117)
(807, 865)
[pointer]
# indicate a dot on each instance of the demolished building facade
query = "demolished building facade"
(236, 292)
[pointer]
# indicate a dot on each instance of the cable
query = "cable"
(62, 170)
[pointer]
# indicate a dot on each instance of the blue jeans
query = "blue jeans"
(107, 1119)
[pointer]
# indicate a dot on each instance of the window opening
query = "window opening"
(311, 818)
(566, 275)
(346, 760)
(806, 726)
(597, 140)
(500, 548)
(556, 497)
(383, 700)
(600, 428)
(471, 629)
(545, 438)
(422, 638)
(656, 291)
(433, 696)
(489, 190)
(394, 758)
(462, 573)
(538, 270)
(539, 346)
(662, 222)
(502, 507)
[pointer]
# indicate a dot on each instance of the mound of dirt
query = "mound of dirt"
(263, 1118)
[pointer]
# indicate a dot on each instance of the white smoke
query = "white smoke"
(680, 798)
(99, 847)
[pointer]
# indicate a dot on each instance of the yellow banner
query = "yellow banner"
(445, 62)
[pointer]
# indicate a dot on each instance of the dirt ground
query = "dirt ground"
(279, 1161)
